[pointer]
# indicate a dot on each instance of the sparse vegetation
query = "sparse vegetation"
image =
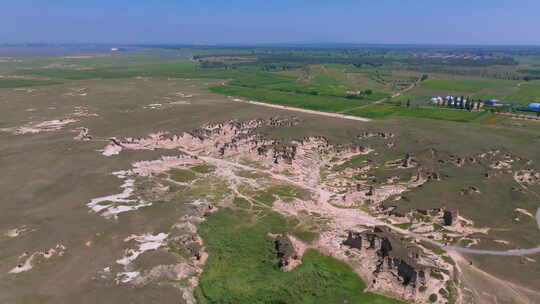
(462, 85)
(19, 83)
(203, 168)
(356, 161)
(182, 175)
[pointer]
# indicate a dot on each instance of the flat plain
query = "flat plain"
(58, 115)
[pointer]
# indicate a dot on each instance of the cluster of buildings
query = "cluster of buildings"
(458, 102)
(468, 104)
(454, 56)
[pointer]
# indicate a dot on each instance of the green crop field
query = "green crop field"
(384, 111)
(321, 103)
(471, 86)
(528, 92)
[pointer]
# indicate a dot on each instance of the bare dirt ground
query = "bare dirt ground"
(486, 288)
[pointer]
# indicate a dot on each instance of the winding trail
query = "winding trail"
(512, 252)
(397, 94)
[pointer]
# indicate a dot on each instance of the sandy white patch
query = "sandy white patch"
(126, 277)
(146, 242)
(180, 102)
(112, 205)
(153, 106)
(111, 149)
(183, 95)
(45, 126)
(13, 233)
(29, 260)
(523, 211)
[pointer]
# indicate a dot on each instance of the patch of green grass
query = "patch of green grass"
(402, 99)
(319, 103)
(203, 168)
(384, 111)
(436, 275)
(289, 191)
(242, 267)
(462, 85)
(242, 202)
(182, 175)
(20, 83)
(212, 188)
(356, 161)
(448, 260)
(265, 197)
(305, 236)
(374, 111)
(179, 69)
(528, 92)
(250, 174)
(434, 248)
(369, 71)
(404, 225)
(261, 80)
(493, 119)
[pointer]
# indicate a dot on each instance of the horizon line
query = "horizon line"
(255, 44)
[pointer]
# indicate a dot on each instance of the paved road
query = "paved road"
(512, 252)
(329, 114)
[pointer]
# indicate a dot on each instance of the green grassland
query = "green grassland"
(321, 103)
(182, 175)
(19, 83)
(471, 86)
(66, 174)
(325, 87)
(402, 99)
(528, 92)
(242, 267)
(313, 80)
(203, 168)
(385, 111)
(235, 266)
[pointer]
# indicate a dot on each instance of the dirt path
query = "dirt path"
(329, 114)
(412, 86)
(490, 289)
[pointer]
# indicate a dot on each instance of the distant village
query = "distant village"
(465, 56)
(477, 105)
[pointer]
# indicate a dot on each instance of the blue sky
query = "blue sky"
(271, 21)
